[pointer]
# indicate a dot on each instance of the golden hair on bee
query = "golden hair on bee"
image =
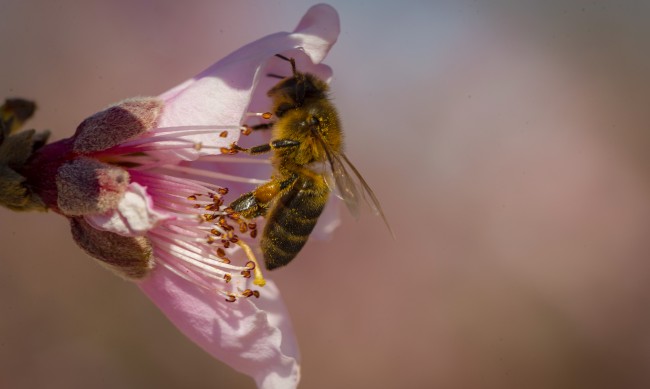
(306, 133)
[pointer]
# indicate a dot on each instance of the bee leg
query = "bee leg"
(263, 126)
(255, 203)
(248, 206)
(265, 148)
(284, 143)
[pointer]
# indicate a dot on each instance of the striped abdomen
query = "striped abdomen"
(291, 219)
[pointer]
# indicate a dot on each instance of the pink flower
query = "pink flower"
(138, 182)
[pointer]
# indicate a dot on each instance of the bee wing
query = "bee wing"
(347, 187)
(368, 194)
(352, 186)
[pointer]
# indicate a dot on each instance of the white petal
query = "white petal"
(134, 215)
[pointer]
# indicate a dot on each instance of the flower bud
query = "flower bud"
(116, 124)
(127, 256)
(87, 186)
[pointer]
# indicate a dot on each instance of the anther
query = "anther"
(249, 293)
(246, 273)
(231, 298)
(198, 146)
(252, 226)
(267, 115)
(259, 278)
(225, 260)
(227, 277)
(221, 253)
(243, 228)
(223, 134)
(207, 217)
(192, 198)
(211, 207)
(223, 191)
(246, 130)
(253, 233)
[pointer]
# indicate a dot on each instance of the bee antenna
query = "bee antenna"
(290, 60)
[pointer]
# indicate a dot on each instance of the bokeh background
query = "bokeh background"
(507, 142)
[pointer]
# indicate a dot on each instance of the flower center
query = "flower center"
(200, 240)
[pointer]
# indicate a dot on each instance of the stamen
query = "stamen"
(219, 158)
(217, 175)
(259, 279)
(264, 115)
(188, 130)
(249, 293)
(246, 130)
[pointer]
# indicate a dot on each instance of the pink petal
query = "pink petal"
(222, 93)
(134, 215)
(251, 335)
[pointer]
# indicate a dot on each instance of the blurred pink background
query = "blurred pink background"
(508, 146)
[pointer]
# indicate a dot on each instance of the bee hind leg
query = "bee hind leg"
(248, 206)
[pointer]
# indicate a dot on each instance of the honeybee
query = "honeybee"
(307, 133)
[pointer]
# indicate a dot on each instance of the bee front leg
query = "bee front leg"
(261, 149)
(265, 148)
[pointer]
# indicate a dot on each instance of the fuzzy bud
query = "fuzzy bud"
(87, 186)
(116, 124)
(127, 256)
